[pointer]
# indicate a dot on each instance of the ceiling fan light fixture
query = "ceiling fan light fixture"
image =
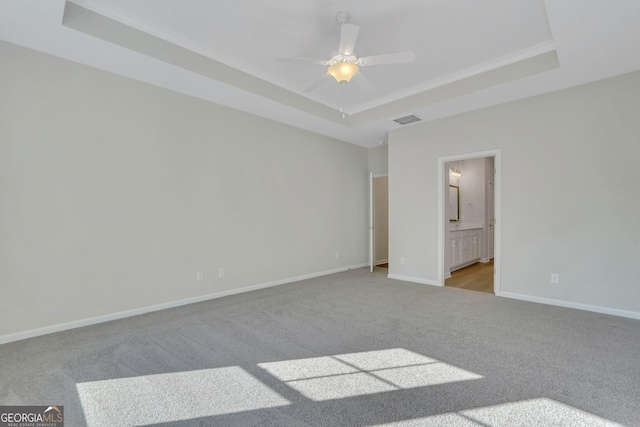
(346, 64)
(343, 71)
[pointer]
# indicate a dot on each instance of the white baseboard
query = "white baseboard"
(4, 339)
(382, 261)
(353, 267)
(568, 304)
(414, 280)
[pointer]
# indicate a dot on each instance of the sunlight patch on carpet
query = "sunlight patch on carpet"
(358, 374)
(533, 412)
(174, 396)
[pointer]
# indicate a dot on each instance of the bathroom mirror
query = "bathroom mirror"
(454, 203)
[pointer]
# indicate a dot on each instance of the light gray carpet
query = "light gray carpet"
(352, 349)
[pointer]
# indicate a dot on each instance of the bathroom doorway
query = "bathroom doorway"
(469, 187)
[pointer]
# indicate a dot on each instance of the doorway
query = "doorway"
(379, 218)
(469, 214)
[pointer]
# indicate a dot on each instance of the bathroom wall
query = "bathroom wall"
(472, 192)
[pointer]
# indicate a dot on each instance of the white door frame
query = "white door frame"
(443, 223)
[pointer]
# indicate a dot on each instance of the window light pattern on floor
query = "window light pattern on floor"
(532, 412)
(358, 374)
(174, 396)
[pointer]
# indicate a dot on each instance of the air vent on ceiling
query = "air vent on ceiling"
(407, 119)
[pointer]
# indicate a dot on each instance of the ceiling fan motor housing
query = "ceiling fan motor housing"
(343, 17)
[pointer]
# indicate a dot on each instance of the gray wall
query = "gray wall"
(379, 160)
(570, 192)
(113, 193)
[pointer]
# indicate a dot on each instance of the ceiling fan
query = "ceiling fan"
(345, 65)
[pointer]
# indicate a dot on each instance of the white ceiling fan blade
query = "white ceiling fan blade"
(313, 86)
(348, 37)
(303, 60)
(362, 81)
(389, 58)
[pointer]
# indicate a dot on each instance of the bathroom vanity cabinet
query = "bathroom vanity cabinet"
(466, 247)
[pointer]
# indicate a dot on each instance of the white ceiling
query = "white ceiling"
(469, 54)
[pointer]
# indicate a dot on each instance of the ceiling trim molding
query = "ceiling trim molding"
(493, 77)
(167, 35)
(520, 64)
(97, 25)
(503, 61)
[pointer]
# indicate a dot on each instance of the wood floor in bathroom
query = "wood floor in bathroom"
(476, 277)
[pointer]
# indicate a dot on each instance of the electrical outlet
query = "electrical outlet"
(221, 272)
(555, 278)
(199, 275)
(402, 261)
(337, 255)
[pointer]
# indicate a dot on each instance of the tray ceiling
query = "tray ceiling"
(469, 54)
